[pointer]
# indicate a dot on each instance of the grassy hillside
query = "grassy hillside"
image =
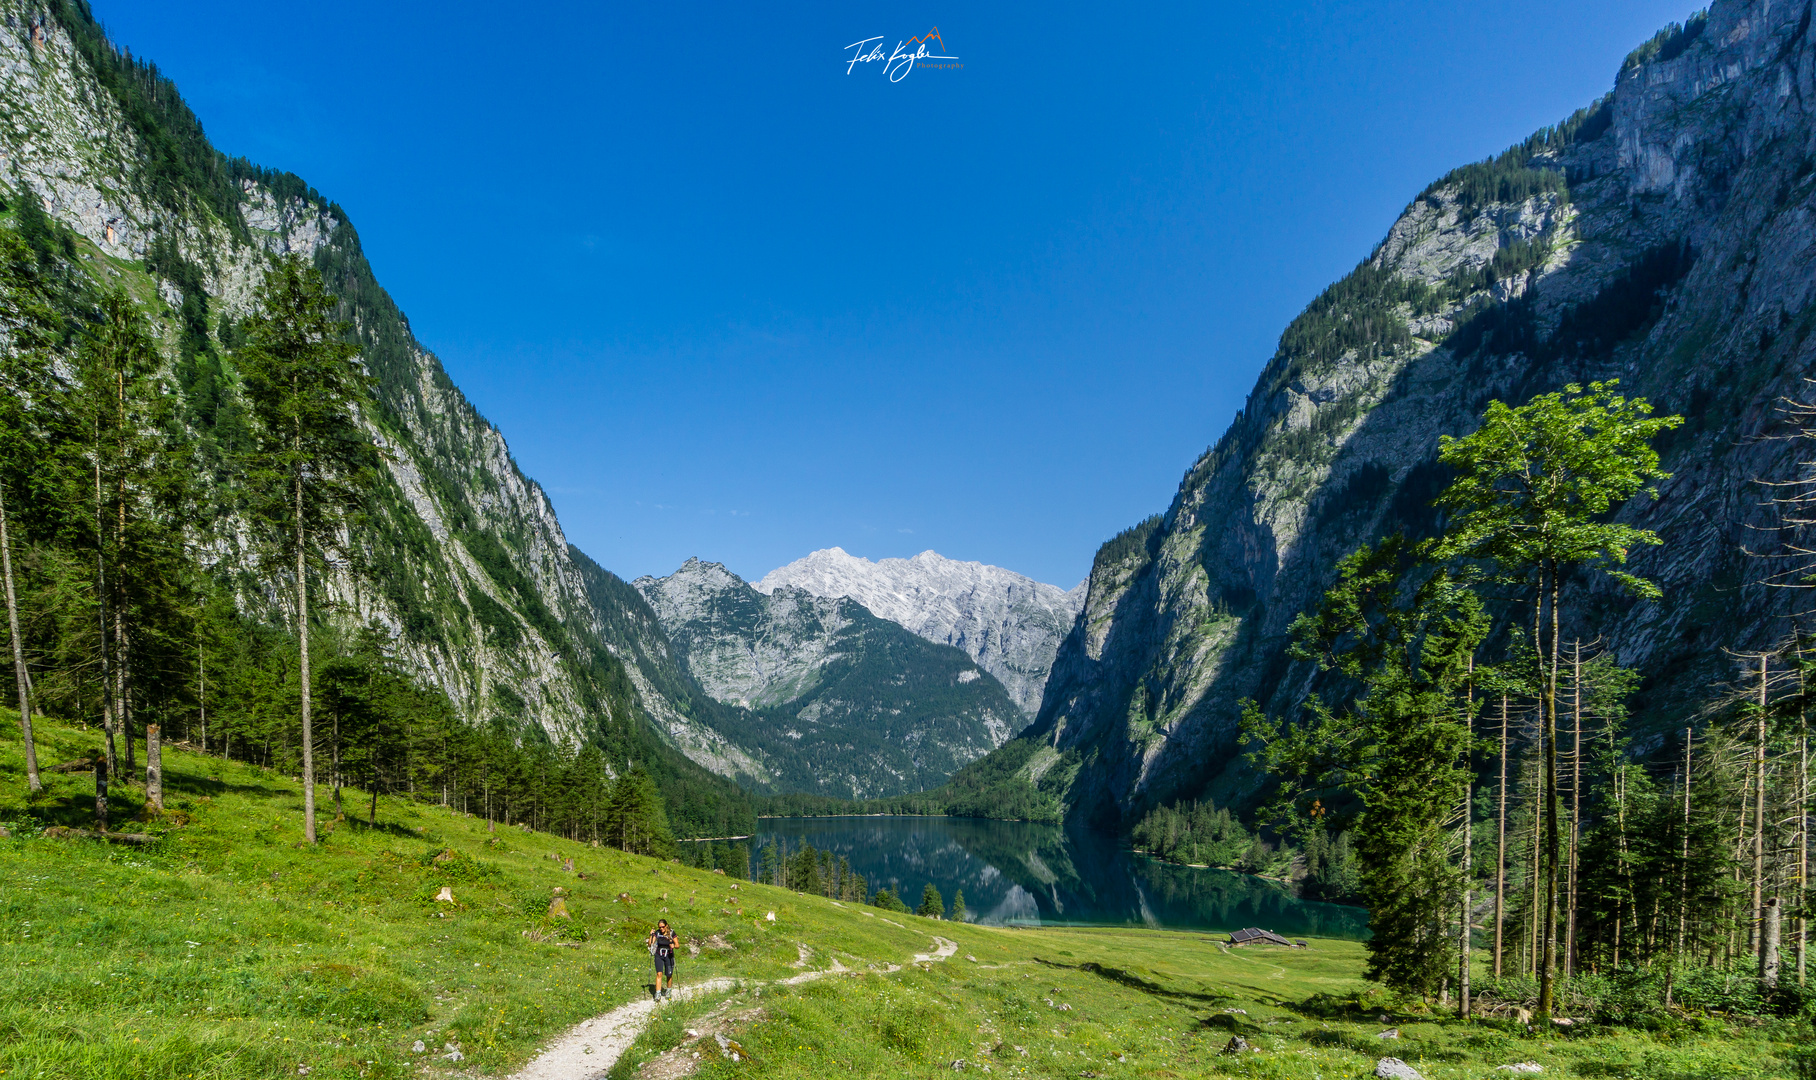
(227, 949)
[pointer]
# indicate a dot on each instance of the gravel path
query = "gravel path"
(589, 1049)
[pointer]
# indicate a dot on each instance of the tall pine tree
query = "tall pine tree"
(312, 457)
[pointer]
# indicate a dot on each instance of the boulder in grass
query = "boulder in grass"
(558, 908)
(446, 895)
(1395, 1069)
(1236, 1045)
(1521, 1067)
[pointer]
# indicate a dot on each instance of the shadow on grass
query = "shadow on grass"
(1136, 982)
(362, 827)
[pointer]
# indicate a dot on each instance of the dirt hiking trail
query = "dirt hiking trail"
(589, 1049)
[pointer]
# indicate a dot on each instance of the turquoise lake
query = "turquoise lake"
(1044, 875)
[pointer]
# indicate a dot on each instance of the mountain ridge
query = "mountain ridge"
(1659, 236)
(830, 698)
(1007, 622)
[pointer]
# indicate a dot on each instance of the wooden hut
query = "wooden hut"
(1252, 935)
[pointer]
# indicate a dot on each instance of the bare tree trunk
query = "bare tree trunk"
(101, 794)
(1768, 945)
(1536, 873)
(122, 697)
(105, 648)
(201, 667)
(1468, 831)
(1683, 878)
(1756, 940)
(122, 700)
(302, 637)
(19, 673)
(340, 813)
(154, 768)
(1740, 850)
(1576, 803)
(1500, 847)
(1553, 839)
(1626, 864)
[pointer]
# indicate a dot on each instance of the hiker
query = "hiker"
(662, 947)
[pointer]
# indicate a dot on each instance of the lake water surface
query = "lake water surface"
(1020, 873)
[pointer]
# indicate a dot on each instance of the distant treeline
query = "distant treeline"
(805, 869)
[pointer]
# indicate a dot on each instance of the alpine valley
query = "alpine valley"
(422, 781)
(714, 687)
(1662, 235)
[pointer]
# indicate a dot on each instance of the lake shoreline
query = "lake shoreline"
(1035, 875)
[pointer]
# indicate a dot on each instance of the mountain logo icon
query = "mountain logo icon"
(908, 54)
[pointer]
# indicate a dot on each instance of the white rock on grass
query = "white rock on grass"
(1395, 1069)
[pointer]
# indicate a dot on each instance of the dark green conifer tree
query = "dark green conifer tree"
(933, 905)
(312, 458)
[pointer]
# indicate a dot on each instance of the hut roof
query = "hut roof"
(1252, 934)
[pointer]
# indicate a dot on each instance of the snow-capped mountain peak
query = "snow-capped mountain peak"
(1009, 623)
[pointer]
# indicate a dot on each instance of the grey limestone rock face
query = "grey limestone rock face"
(1010, 624)
(744, 648)
(487, 531)
(822, 694)
(1672, 247)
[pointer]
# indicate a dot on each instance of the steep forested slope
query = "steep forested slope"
(460, 561)
(1662, 236)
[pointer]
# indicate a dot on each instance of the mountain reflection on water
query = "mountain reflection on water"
(1027, 874)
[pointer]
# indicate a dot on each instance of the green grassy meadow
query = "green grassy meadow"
(228, 948)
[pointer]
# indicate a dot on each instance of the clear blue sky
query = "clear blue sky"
(725, 299)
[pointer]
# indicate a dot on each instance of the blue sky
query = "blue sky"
(725, 299)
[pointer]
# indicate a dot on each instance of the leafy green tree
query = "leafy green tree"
(312, 458)
(1534, 486)
(933, 905)
(1398, 747)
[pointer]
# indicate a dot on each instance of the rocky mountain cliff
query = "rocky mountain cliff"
(462, 559)
(1662, 236)
(825, 696)
(1010, 624)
